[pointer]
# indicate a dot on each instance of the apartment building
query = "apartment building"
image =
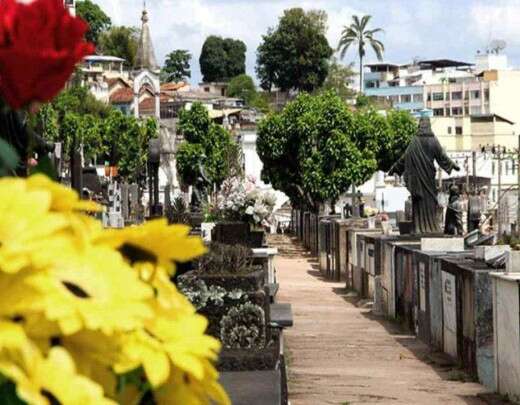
(471, 105)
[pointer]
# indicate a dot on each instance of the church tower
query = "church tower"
(146, 69)
(145, 57)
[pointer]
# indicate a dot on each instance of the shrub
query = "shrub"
(225, 259)
(243, 327)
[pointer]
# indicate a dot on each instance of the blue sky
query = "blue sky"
(413, 28)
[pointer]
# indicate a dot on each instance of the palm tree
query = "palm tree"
(357, 33)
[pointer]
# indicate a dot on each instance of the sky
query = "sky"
(423, 29)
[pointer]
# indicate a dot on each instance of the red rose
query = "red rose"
(40, 44)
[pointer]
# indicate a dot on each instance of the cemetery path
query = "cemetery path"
(341, 354)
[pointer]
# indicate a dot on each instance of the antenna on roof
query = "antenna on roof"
(496, 46)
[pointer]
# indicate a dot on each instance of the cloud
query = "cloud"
(424, 28)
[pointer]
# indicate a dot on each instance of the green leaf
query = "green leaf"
(46, 167)
(8, 393)
(8, 158)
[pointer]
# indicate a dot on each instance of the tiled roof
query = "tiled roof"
(122, 96)
(172, 86)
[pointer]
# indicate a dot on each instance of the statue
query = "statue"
(154, 162)
(15, 131)
(418, 168)
(200, 188)
(454, 213)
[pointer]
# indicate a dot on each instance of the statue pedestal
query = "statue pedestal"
(442, 244)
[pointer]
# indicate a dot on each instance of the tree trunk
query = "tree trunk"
(361, 75)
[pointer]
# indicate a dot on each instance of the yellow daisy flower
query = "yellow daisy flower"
(155, 242)
(167, 342)
(64, 199)
(93, 289)
(25, 222)
(181, 388)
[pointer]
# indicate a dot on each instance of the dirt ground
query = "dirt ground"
(339, 353)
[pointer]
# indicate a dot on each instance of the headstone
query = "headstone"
(489, 253)
(513, 262)
(125, 208)
(442, 244)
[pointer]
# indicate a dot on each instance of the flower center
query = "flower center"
(75, 290)
(135, 254)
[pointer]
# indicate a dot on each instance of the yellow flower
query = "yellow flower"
(156, 242)
(166, 342)
(40, 380)
(25, 223)
(181, 388)
(64, 199)
(93, 289)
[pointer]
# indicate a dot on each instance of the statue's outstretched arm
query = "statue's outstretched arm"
(443, 159)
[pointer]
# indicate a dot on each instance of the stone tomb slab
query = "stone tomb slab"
(447, 244)
(253, 387)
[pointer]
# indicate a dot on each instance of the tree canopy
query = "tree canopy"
(358, 35)
(105, 133)
(177, 66)
(339, 80)
(296, 54)
(316, 148)
(206, 144)
(222, 59)
(121, 42)
(242, 87)
(96, 18)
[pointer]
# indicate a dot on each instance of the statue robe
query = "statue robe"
(418, 167)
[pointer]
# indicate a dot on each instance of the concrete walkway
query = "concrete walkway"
(341, 354)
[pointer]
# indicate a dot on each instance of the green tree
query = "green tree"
(243, 87)
(222, 59)
(121, 42)
(102, 130)
(205, 143)
(316, 148)
(339, 80)
(96, 18)
(296, 54)
(358, 34)
(177, 66)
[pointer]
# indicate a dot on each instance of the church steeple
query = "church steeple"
(145, 57)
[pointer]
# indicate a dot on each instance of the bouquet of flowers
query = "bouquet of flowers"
(240, 199)
(87, 315)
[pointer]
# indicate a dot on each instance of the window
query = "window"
(449, 130)
(448, 112)
(438, 112)
(206, 89)
(456, 111)
(418, 98)
(456, 95)
(394, 99)
(466, 95)
(429, 98)
(438, 96)
(406, 98)
(475, 94)
(476, 110)
(458, 130)
(466, 110)
(371, 85)
(486, 95)
(493, 168)
(507, 168)
(447, 97)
